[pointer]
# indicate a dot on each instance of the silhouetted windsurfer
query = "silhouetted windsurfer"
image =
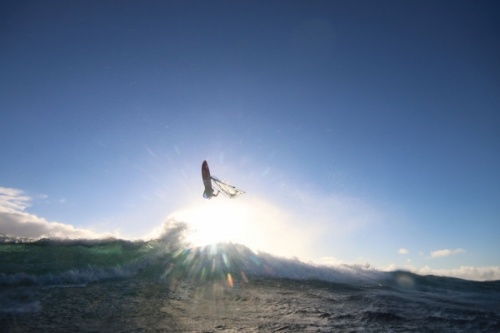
(207, 181)
(226, 189)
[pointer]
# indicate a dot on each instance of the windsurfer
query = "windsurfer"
(228, 190)
(210, 193)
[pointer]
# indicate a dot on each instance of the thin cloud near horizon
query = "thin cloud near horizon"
(15, 221)
(446, 253)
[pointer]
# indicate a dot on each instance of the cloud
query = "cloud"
(14, 221)
(474, 273)
(445, 253)
(485, 273)
(12, 200)
(329, 261)
(403, 251)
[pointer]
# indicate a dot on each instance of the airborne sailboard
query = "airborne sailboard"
(210, 182)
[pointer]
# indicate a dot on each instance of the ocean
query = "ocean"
(162, 285)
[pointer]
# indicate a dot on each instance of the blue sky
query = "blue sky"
(362, 131)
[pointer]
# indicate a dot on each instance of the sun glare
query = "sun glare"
(254, 223)
(216, 221)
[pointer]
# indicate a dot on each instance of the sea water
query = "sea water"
(60, 285)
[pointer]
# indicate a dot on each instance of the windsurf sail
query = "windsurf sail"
(228, 190)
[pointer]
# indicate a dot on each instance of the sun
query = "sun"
(255, 223)
(216, 221)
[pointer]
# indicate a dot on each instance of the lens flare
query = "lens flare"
(253, 222)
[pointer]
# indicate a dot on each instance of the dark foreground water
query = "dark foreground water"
(160, 286)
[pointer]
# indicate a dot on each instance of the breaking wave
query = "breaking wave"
(62, 262)
(78, 261)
